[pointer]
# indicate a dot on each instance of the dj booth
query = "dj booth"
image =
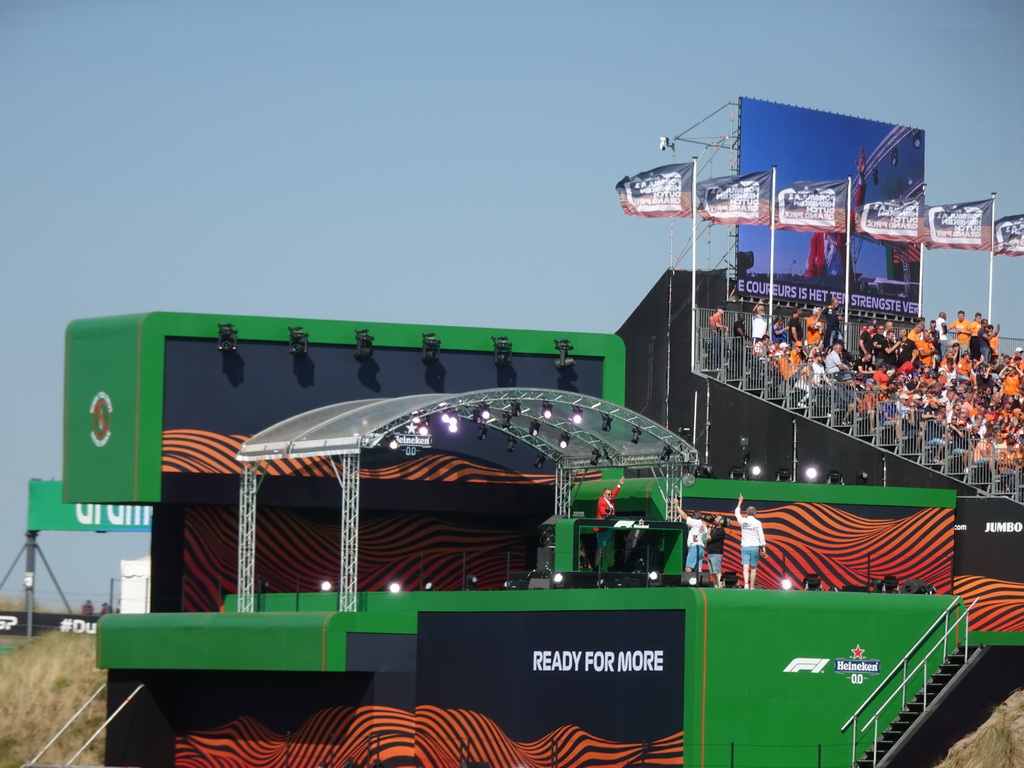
(641, 544)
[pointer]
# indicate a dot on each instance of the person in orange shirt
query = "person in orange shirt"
(963, 329)
(1011, 381)
(814, 328)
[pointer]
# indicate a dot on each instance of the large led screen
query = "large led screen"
(885, 161)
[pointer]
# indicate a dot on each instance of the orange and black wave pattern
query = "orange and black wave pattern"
(844, 548)
(197, 451)
(295, 553)
(430, 738)
(1000, 606)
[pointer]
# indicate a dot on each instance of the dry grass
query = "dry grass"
(45, 683)
(998, 743)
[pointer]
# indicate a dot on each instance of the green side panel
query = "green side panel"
(754, 712)
(120, 361)
(307, 642)
(106, 414)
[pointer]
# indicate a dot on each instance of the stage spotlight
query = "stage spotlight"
(577, 415)
(485, 412)
(392, 442)
(515, 407)
(874, 175)
(510, 444)
(635, 438)
(394, 587)
(534, 428)
(894, 157)
(606, 422)
(451, 420)
(811, 474)
(431, 350)
(730, 579)
(862, 478)
(783, 475)
(298, 340)
(506, 420)
(889, 584)
(364, 346)
(786, 584)
(705, 470)
(540, 460)
(564, 362)
(595, 457)
(812, 582)
(546, 409)
(325, 586)
(502, 351)
(666, 453)
(835, 477)
(754, 472)
(917, 139)
(736, 473)
(916, 587)
(563, 440)
(227, 337)
(428, 587)
(421, 425)
(654, 578)
(469, 582)
(557, 580)
(481, 433)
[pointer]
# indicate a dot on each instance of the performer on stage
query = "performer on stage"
(606, 536)
(752, 543)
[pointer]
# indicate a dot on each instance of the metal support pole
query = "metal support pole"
(247, 538)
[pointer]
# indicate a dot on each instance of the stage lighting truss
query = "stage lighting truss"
(298, 341)
(564, 362)
(227, 337)
(364, 345)
(502, 351)
(431, 350)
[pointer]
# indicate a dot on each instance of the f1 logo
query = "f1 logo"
(802, 664)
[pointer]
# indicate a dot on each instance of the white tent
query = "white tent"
(135, 579)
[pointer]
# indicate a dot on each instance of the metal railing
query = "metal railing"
(898, 425)
(909, 677)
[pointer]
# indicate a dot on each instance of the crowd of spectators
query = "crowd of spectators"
(942, 391)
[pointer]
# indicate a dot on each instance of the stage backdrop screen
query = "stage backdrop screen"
(809, 145)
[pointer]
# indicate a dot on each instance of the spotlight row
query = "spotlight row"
(430, 350)
(812, 582)
(785, 475)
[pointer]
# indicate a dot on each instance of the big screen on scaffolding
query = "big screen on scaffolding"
(810, 145)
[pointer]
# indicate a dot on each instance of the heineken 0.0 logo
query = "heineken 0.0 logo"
(101, 409)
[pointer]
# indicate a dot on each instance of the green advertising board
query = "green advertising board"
(47, 511)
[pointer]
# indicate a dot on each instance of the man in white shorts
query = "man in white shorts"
(752, 544)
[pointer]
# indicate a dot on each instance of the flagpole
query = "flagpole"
(920, 269)
(771, 264)
(991, 257)
(694, 332)
(849, 233)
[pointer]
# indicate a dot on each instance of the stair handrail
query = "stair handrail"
(908, 676)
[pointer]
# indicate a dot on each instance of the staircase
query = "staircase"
(923, 683)
(877, 755)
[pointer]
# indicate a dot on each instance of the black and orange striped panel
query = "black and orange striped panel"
(431, 738)
(1000, 606)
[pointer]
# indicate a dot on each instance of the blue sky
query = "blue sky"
(436, 163)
